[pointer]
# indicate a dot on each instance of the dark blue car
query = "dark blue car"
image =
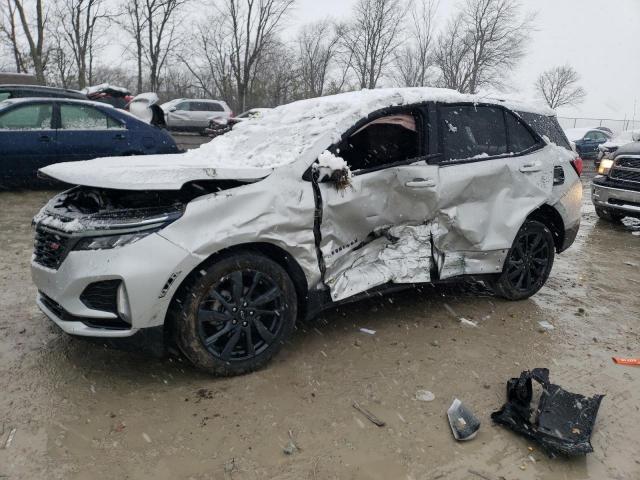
(587, 140)
(35, 132)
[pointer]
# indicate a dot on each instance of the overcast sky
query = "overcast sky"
(600, 39)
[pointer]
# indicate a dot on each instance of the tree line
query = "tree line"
(236, 50)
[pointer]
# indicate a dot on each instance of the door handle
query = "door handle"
(119, 136)
(420, 183)
(45, 138)
(531, 167)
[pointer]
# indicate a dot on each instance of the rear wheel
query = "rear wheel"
(237, 314)
(528, 263)
(609, 215)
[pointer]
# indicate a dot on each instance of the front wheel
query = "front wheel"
(528, 263)
(236, 314)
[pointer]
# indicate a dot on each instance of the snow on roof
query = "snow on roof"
(281, 135)
(574, 134)
(102, 87)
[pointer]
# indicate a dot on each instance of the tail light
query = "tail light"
(577, 165)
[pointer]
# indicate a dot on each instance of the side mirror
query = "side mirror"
(173, 109)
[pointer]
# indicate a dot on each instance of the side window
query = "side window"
(4, 95)
(182, 106)
(470, 131)
(595, 136)
(214, 107)
(520, 139)
(82, 117)
(384, 141)
(28, 117)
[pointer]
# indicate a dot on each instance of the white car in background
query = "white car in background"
(194, 115)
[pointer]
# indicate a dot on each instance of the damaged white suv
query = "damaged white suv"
(317, 202)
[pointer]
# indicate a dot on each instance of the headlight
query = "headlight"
(112, 241)
(605, 166)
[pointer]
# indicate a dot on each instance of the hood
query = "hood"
(148, 172)
(632, 148)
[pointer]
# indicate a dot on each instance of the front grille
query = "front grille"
(625, 175)
(628, 162)
(101, 296)
(51, 248)
(626, 169)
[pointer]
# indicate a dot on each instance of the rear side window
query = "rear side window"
(546, 126)
(470, 131)
(28, 117)
(82, 117)
(595, 136)
(520, 138)
(206, 107)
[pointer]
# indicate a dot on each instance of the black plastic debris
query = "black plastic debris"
(464, 424)
(563, 421)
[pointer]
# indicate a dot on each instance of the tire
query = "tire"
(528, 263)
(608, 215)
(220, 329)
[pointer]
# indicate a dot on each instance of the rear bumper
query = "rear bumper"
(618, 199)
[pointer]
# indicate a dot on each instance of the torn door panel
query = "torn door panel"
(401, 255)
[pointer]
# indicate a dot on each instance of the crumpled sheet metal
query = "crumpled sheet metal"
(277, 210)
(470, 219)
(563, 421)
(401, 255)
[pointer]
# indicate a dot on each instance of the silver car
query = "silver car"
(322, 201)
(193, 115)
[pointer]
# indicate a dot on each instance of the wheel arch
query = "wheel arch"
(269, 250)
(552, 219)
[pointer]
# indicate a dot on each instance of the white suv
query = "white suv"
(318, 202)
(194, 115)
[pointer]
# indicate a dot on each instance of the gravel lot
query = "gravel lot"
(83, 411)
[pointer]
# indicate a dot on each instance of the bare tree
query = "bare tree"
(559, 87)
(482, 43)
(132, 21)
(153, 26)
(317, 45)
(62, 61)
(250, 26)
(372, 38)
(209, 59)
(33, 32)
(414, 61)
(80, 22)
(9, 32)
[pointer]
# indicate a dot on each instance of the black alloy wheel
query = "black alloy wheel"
(241, 316)
(235, 314)
(528, 262)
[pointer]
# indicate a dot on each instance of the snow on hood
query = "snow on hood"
(298, 130)
(147, 172)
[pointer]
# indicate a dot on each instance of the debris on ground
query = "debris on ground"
(468, 323)
(425, 396)
(292, 446)
(12, 434)
(370, 416)
(366, 330)
(146, 437)
(626, 361)
(563, 421)
(544, 326)
(463, 422)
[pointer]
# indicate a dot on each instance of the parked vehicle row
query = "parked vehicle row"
(36, 132)
(219, 126)
(324, 201)
(194, 115)
(587, 140)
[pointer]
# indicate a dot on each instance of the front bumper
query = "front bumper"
(615, 198)
(150, 271)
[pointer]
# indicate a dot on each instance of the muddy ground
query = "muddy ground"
(81, 411)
